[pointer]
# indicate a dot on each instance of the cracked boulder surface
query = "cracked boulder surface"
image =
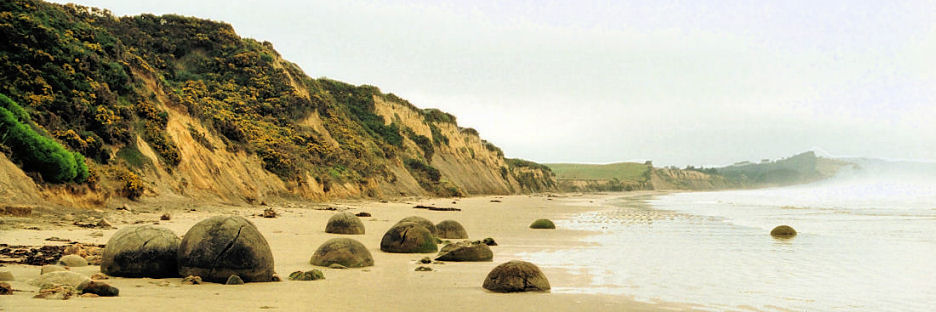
(451, 229)
(344, 223)
(408, 237)
(421, 221)
(516, 276)
(343, 251)
(466, 251)
(221, 246)
(141, 251)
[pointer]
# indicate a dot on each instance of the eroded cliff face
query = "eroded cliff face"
(181, 108)
(679, 179)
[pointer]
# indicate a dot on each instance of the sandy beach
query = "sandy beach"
(390, 285)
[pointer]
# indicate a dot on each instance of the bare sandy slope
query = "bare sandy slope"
(390, 285)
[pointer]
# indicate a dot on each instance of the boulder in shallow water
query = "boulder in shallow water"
(344, 251)
(73, 261)
(421, 221)
(344, 223)
(516, 276)
(221, 246)
(466, 251)
(408, 237)
(542, 224)
(141, 251)
(451, 229)
(783, 231)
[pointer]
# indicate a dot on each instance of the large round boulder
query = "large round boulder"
(421, 221)
(466, 251)
(221, 246)
(451, 229)
(515, 276)
(141, 251)
(344, 223)
(542, 224)
(408, 237)
(783, 231)
(344, 251)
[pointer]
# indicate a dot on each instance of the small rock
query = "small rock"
(105, 224)
(489, 241)
(98, 288)
(423, 269)
(425, 260)
(94, 260)
(312, 275)
(57, 239)
(165, 217)
(466, 251)
(363, 214)
(68, 217)
(56, 291)
(124, 207)
(96, 234)
(337, 266)
(73, 261)
(191, 280)
(6, 289)
(269, 213)
(99, 276)
(6, 276)
(276, 278)
(89, 295)
(495, 201)
(234, 280)
(49, 268)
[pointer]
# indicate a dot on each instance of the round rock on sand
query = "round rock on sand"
(408, 237)
(64, 278)
(466, 251)
(344, 251)
(421, 221)
(516, 276)
(221, 246)
(543, 224)
(73, 261)
(141, 251)
(783, 231)
(451, 229)
(344, 223)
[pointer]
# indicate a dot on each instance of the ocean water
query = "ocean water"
(866, 242)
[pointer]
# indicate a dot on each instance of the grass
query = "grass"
(624, 171)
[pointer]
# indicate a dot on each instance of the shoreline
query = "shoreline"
(392, 284)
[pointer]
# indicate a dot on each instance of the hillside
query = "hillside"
(802, 168)
(180, 107)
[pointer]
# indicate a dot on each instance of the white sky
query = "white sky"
(676, 82)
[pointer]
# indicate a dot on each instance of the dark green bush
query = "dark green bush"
(36, 152)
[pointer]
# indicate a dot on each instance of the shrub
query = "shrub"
(36, 152)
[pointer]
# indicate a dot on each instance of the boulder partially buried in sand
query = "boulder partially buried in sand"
(73, 261)
(408, 237)
(64, 278)
(221, 246)
(466, 251)
(141, 251)
(543, 224)
(421, 221)
(344, 251)
(344, 223)
(783, 231)
(516, 276)
(451, 229)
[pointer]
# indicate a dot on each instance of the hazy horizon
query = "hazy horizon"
(677, 83)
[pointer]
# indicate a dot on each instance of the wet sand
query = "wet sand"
(390, 285)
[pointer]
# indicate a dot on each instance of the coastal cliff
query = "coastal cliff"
(183, 108)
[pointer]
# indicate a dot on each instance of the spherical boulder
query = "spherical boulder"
(344, 251)
(542, 224)
(783, 231)
(64, 278)
(344, 223)
(221, 246)
(421, 221)
(516, 276)
(466, 251)
(73, 261)
(451, 229)
(408, 237)
(141, 251)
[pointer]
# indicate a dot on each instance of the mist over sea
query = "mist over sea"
(866, 243)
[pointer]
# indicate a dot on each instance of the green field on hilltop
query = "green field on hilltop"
(624, 171)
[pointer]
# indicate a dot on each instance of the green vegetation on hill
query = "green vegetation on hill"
(625, 171)
(36, 152)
